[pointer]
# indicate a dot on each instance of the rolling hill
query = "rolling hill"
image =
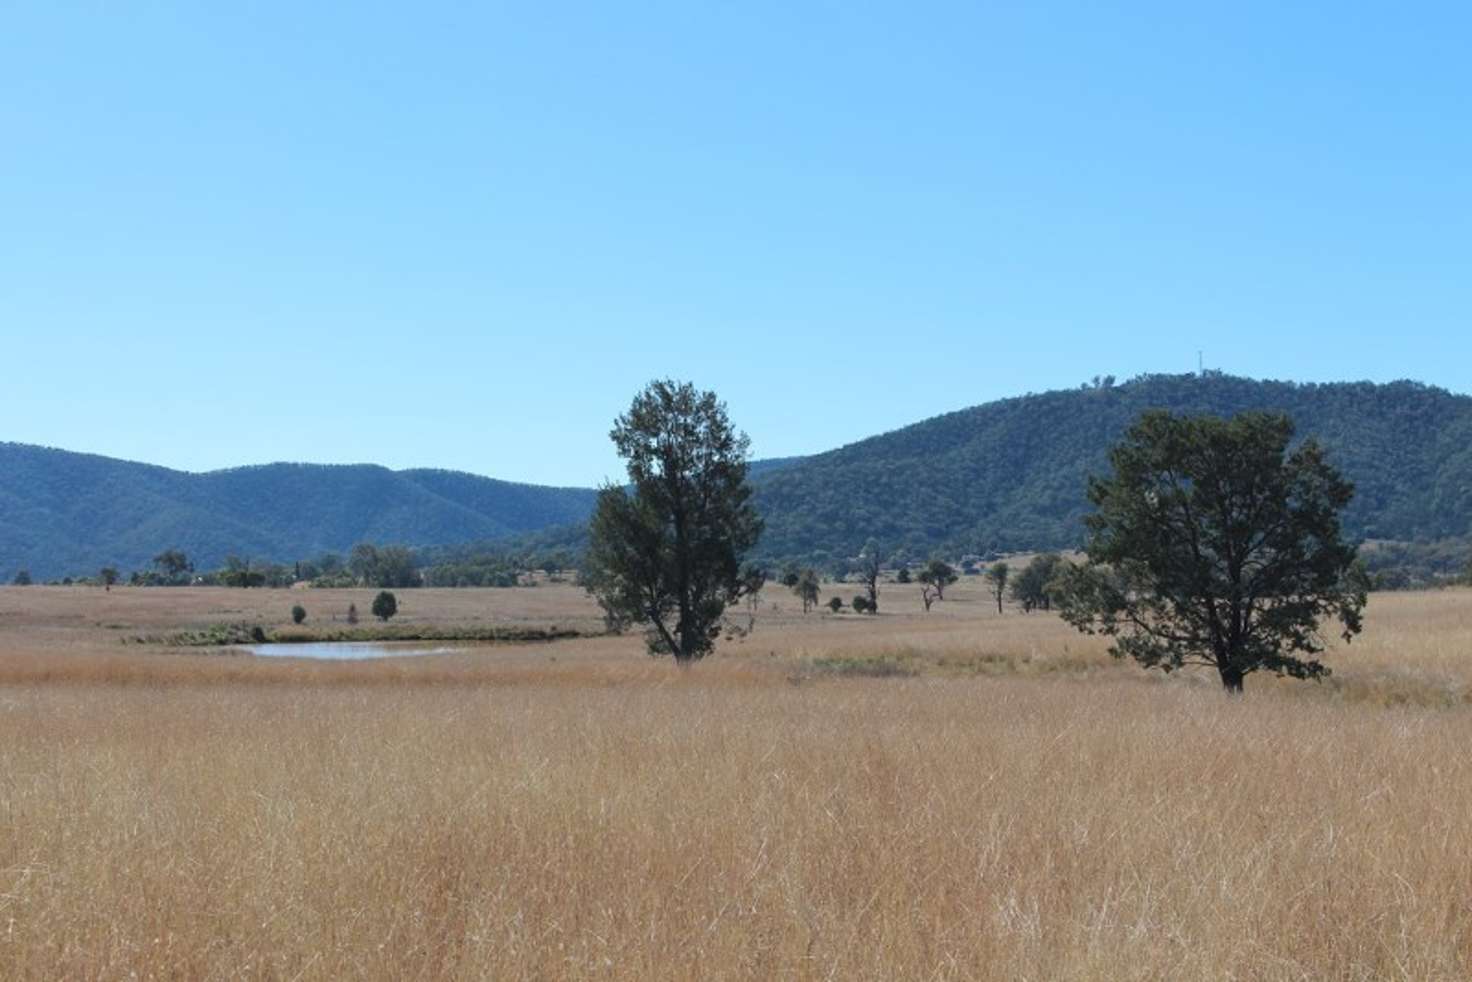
(1006, 475)
(1011, 475)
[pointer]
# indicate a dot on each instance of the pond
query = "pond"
(347, 650)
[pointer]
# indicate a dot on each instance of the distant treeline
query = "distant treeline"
(366, 565)
(1391, 566)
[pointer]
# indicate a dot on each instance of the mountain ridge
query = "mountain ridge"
(1004, 475)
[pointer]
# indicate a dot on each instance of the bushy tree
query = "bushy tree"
(385, 605)
(108, 575)
(903, 575)
(835, 604)
(937, 575)
(666, 553)
(22, 578)
(298, 614)
(1214, 544)
(862, 604)
(1032, 588)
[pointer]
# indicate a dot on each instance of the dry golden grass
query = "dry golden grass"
(1021, 807)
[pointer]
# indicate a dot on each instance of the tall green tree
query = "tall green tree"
(666, 552)
(1213, 543)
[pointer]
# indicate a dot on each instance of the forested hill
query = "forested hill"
(67, 513)
(1006, 475)
(1012, 474)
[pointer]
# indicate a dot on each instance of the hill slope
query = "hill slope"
(65, 513)
(1005, 475)
(1011, 474)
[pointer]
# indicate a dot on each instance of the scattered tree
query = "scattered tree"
(384, 567)
(172, 565)
(1213, 544)
(753, 578)
(237, 572)
(363, 562)
(666, 553)
(806, 588)
(903, 576)
(385, 605)
(996, 577)
(298, 614)
(352, 613)
(108, 575)
(871, 561)
(22, 578)
(937, 575)
(790, 577)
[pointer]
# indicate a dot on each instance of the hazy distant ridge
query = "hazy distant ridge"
(64, 512)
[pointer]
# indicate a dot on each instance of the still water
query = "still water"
(346, 650)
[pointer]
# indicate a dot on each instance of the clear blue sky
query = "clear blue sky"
(464, 235)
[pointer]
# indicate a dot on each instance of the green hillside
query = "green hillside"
(1011, 474)
(1007, 475)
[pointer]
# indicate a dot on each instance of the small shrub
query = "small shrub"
(860, 604)
(298, 614)
(352, 613)
(835, 604)
(884, 667)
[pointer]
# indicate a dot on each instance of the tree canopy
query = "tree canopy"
(1213, 543)
(667, 551)
(385, 605)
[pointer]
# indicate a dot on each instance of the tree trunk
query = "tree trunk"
(1231, 680)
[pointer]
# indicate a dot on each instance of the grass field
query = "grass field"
(951, 795)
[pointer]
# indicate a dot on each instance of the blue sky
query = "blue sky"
(465, 235)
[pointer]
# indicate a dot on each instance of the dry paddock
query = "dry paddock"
(1001, 801)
